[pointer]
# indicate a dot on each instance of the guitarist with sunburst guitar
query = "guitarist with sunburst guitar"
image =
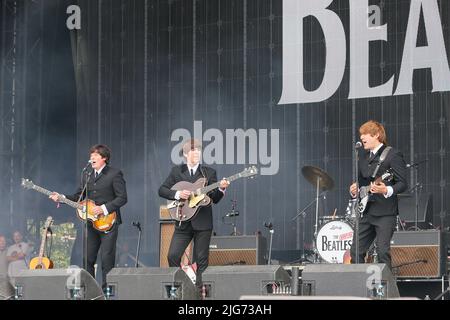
(191, 209)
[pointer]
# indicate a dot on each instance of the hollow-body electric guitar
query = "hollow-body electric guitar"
(184, 210)
(99, 222)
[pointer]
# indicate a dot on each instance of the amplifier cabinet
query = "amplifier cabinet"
(166, 230)
(237, 250)
(418, 254)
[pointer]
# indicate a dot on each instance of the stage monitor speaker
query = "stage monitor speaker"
(166, 230)
(56, 284)
(418, 254)
(231, 282)
(407, 210)
(237, 250)
(150, 284)
(350, 280)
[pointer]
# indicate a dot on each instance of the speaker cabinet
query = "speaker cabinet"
(231, 282)
(166, 230)
(237, 250)
(150, 284)
(56, 284)
(407, 210)
(353, 280)
(418, 254)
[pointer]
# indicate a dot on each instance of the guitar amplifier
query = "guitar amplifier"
(418, 254)
(237, 250)
(166, 230)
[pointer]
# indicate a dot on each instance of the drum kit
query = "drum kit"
(332, 234)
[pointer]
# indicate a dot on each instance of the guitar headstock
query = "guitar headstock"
(388, 175)
(249, 172)
(27, 184)
(48, 222)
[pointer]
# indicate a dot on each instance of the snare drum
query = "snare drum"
(333, 240)
(326, 219)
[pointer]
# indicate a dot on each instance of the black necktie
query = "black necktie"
(192, 172)
(96, 174)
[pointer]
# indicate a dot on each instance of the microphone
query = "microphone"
(268, 225)
(358, 145)
(232, 214)
(137, 224)
(87, 165)
(411, 165)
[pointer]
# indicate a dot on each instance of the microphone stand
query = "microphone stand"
(270, 227)
(417, 189)
(138, 225)
(85, 213)
(303, 213)
(355, 208)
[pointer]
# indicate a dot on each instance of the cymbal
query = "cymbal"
(313, 173)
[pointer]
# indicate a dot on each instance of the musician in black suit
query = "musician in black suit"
(380, 217)
(106, 187)
(200, 226)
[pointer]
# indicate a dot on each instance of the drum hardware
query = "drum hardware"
(334, 239)
(322, 181)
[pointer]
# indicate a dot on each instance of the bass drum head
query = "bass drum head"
(333, 240)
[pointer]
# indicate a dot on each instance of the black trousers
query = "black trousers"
(371, 227)
(181, 239)
(107, 243)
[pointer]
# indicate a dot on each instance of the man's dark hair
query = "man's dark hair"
(102, 150)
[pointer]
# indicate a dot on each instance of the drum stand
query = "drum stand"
(316, 226)
(303, 214)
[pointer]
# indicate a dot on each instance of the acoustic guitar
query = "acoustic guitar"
(184, 210)
(99, 222)
(42, 262)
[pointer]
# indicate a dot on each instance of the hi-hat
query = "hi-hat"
(313, 173)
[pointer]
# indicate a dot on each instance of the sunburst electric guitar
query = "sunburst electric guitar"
(184, 210)
(42, 262)
(99, 222)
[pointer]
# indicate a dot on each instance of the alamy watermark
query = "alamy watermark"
(74, 20)
(233, 146)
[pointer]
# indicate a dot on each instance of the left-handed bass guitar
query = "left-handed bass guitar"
(99, 222)
(184, 210)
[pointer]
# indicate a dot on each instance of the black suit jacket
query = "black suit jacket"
(202, 220)
(109, 189)
(378, 204)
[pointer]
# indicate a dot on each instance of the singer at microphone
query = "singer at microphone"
(378, 219)
(107, 194)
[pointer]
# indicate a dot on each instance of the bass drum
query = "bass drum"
(334, 240)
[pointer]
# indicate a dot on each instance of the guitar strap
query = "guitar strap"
(380, 161)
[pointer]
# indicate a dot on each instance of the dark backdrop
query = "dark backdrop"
(142, 69)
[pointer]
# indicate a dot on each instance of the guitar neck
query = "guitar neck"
(44, 238)
(71, 203)
(211, 187)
